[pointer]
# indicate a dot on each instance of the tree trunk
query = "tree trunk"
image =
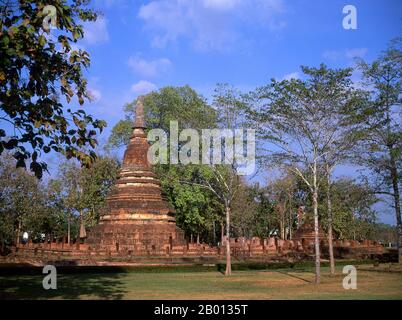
(330, 237)
(68, 231)
(397, 199)
(228, 270)
(290, 216)
(214, 233)
(222, 231)
(316, 227)
(18, 233)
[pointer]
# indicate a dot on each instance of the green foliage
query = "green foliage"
(27, 204)
(21, 200)
(121, 133)
(38, 71)
(181, 104)
(252, 212)
(196, 208)
(83, 190)
(307, 120)
(380, 149)
(231, 106)
(352, 206)
(353, 213)
(98, 179)
(385, 233)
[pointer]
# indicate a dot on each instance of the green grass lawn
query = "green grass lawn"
(211, 284)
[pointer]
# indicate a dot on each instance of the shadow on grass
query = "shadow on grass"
(69, 286)
(294, 276)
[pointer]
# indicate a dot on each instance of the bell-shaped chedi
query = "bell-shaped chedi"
(136, 216)
(136, 197)
(306, 232)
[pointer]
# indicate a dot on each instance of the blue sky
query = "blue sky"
(139, 46)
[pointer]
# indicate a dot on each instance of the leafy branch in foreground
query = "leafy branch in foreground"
(37, 71)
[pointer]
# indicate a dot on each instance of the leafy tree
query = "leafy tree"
(385, 234)
(282, 192)
(223, 180)
(57, 207)
(262, 226)
(381, 149)
(253, 212)
(292, 114)
(196, 208)
(65, 190)
(97, 180)
(21, 200)
(52, 208)
(181, 104)
(38, 70)
(338, 133)
(352, 204)
(244, 211)
(82, 191)
(353, 213)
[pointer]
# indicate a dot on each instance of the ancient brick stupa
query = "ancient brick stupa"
(136, 218)
(305, 230)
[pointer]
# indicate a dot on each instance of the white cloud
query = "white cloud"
(332, 55)
(95, 94)
(356, 53)
(208, 24)
(274, 5)
(108, 3)
(167, 18)
(221, 4)
(96, 32)
(335, 55)
(148, 68)
(143, 87)
(77, 47)
(289, 76)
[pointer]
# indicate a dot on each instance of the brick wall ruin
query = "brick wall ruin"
(241, 248)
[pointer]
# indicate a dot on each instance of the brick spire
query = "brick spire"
(139, 121)
(136, 197)
(136, 216)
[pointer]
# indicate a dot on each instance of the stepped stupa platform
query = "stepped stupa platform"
(136, 216)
